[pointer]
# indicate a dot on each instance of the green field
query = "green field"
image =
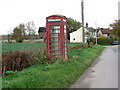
(17, 46)
(57, 75)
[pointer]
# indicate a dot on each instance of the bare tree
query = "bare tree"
(30, 29)
(23, 29)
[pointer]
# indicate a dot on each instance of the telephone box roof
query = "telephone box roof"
(57, 15)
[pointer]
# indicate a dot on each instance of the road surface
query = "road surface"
(103, 73)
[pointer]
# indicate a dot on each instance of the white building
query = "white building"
(104, 32)
(77, 36)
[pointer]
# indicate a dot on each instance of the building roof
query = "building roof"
(90, 29)
(80, 29)
(41, 29)
(105, 30)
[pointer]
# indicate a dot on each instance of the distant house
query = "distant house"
(92, 32)
(77, 36)
(104, 31)
(42, 32)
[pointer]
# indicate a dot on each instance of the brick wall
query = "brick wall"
(42, 35)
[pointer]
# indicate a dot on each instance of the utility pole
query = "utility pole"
(118, 10)
(82, 10)
(96, 32)
(118, 17)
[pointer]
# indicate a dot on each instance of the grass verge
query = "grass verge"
(57, 75)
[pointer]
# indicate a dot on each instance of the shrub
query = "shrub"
(105, 41)
(102, 37)
(60, 60)
(79, 46)
(10, 72)
(22, 59)
(85, 45)
(93, 40)
(19, 40)
(14, 61)
(75, 47)
(90, 42)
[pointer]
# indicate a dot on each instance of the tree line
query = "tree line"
(116, 29)
(72, 25)
(24, 31)
(27, 31)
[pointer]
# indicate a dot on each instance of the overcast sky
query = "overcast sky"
(14, 12)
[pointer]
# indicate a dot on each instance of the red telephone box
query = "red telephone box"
(56, 36)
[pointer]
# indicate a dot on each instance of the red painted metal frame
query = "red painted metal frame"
(61, 23)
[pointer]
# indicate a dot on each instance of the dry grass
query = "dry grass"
(21, 59)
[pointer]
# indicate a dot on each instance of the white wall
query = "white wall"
(106, 35)
(76, 36)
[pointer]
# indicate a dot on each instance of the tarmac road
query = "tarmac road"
(103, 73)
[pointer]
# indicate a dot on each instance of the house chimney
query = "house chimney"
(86, 24)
